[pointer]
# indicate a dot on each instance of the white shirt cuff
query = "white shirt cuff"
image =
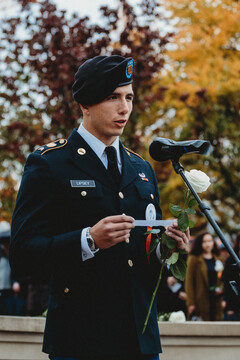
(86, 252)
(158, 252)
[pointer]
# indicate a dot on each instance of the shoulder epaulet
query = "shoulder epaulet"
(51, 146)
(132, 152)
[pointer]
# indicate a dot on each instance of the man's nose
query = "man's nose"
(123, 106)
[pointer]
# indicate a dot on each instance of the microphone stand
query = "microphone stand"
(205, 209)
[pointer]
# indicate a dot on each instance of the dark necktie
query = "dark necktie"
(112, 164)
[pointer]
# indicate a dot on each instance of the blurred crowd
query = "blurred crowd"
(205, 295)
(19, 297)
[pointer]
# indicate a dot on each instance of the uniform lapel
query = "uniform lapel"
(88, 161)
(130, 168)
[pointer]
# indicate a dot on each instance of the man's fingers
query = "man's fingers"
(119, 219)
(171, 231)
(114, 227)
(121, 238)
(187, 232)
(112, 230)
(181, 237)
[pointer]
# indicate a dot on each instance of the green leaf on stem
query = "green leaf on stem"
(191, 224)
(175, 209)
(182, 251)
(164, 252)
(186, 193)
(190, 211)
(192, 202)
(168, 241)
(154, 244)
(173, 258)
(179, 269)
(153, 231)
(183, 221)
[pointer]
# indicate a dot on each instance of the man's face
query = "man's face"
(107, 119)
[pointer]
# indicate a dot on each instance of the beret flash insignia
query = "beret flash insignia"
(129, 69)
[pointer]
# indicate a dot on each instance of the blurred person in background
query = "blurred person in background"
(203, 284)
(231, 273)
(12, 301)
(37, 297)
(223, 252)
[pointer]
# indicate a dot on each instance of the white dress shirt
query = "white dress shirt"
(99, 148)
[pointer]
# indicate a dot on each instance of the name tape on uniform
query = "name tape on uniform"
(83, 183)
(153, 222)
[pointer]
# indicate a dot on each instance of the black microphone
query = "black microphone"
(163, 149)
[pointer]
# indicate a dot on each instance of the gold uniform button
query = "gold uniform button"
(127, 241)
(121, 195)
(61, 141)
(83, 193)
(52, 144)
(81, 151)
(152, 196)
(130, 263)
(66, 290)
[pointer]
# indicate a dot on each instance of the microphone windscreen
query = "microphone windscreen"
(155, 151)
(163, 149)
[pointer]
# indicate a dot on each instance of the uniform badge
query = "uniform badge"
(83, 183)
(129, 69)
(143, 176)
(150, 212)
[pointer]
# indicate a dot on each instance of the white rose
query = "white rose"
(177, 317)
(218, 266)
(198, 179)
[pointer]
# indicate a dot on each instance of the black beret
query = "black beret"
(98, 77)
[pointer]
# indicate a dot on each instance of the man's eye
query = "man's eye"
(130, 98)
(112, 97)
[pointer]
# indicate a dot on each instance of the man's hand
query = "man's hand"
(112, 230)
(181, 237)
(16, 288)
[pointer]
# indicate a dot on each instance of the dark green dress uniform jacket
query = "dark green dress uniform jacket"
(96, 307)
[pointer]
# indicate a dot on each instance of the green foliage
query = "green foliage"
(164, 316)
(152, 231)
(173, 258)
(175, 209)
(179, 268)
(183, 220)
(154, 244)
(192, 203)
(168, 241)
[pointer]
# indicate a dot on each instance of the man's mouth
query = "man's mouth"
(121, 122)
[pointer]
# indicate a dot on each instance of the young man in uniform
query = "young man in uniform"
(74, 220)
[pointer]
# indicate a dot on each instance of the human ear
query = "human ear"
(84, 109)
